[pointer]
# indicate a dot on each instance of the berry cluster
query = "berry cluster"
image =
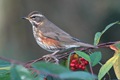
(78, 63)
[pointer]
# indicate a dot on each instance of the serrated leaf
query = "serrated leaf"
(50, 68)
(95, 58)
(81, 75)
(99, 34)
(107, 66)
(84, 55)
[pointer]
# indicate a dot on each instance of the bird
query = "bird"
(51, 37)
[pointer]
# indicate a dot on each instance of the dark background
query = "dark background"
(80, 18)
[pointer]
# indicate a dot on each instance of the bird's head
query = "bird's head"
(35, 18)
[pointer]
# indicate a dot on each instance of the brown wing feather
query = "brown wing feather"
(50, 30)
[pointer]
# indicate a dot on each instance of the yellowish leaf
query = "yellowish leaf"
(107, 66)
(117, 67)
(5, 68)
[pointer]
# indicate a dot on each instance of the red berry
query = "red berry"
(74, 61)
(80, 66)
(73, 68)
(81, 59)
(83, 64)
(86, 62)
(77, 66)
(83, 67)
(72, 64)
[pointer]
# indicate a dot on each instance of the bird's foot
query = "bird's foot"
(51, 57)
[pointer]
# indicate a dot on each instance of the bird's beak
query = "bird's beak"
(25, 18)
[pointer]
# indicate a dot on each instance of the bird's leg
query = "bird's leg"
(55, 52)
(51, 56)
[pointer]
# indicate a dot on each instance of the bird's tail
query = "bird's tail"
(81, 44)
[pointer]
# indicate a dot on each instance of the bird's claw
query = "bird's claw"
(51, 57)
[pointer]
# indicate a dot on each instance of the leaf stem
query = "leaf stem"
(91, 69)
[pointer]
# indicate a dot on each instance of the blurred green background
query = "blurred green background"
(80, 18)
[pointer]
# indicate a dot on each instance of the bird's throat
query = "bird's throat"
(35, 24)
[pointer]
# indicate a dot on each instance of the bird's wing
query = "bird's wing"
(50, 30)
(61, 37)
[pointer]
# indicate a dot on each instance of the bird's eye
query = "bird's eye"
(37, 18)
(33, 17)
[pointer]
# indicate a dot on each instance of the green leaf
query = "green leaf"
(39, 78)
(4, 63)
(4, 70)
(52, 78)
(97, 38)
(95, 58)
(107, 66)
(5, 75)
(14, 74)
(24, 73)
(61, 72)
(20, 73)
(84, 55)
(50, 68)
(81, 75)
(99, 34)
(116, 48)
(68, 61)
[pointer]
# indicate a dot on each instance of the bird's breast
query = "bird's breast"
(47, 43)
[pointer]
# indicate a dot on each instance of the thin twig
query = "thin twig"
(91, 69)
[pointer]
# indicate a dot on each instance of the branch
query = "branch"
(58, 56)
(66, 54)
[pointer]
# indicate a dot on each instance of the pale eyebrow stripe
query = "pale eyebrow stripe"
(37, 15)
